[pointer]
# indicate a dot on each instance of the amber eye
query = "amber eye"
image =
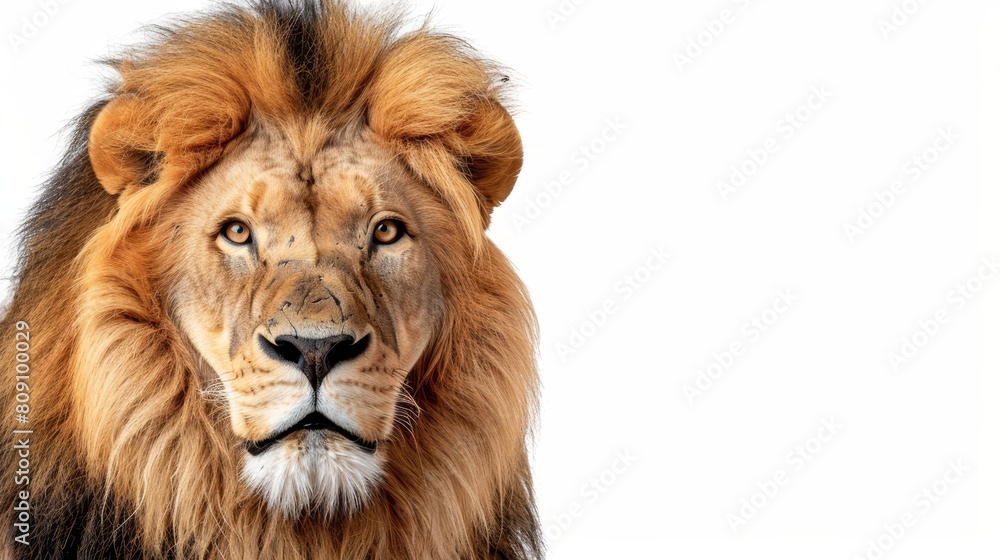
(236, 232)
(388, 231)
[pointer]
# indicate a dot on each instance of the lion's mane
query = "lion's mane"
(128, 457)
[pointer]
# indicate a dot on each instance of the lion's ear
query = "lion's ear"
(122, 145)
(493, 152)
(430, 88)
(139, 140)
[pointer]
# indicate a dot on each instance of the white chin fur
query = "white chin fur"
(313, 471)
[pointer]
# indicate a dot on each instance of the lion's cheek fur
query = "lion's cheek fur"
(141, 421)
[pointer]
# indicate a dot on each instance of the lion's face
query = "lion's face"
(314, 294)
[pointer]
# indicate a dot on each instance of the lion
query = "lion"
(256, 313)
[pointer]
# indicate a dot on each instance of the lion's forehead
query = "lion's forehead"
(331, 190)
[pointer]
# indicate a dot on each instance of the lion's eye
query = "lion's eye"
(236, 232)
(388, 231)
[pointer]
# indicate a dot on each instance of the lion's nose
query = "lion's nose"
(315, 356)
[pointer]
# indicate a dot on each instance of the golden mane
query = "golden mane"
(128, 458)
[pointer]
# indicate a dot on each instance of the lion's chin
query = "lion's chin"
(313, 472)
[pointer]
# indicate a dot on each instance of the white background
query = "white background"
(618, 389)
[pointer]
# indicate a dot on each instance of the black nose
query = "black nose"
(314, 356)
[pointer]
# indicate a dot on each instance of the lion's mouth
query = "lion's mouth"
(312, 421)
